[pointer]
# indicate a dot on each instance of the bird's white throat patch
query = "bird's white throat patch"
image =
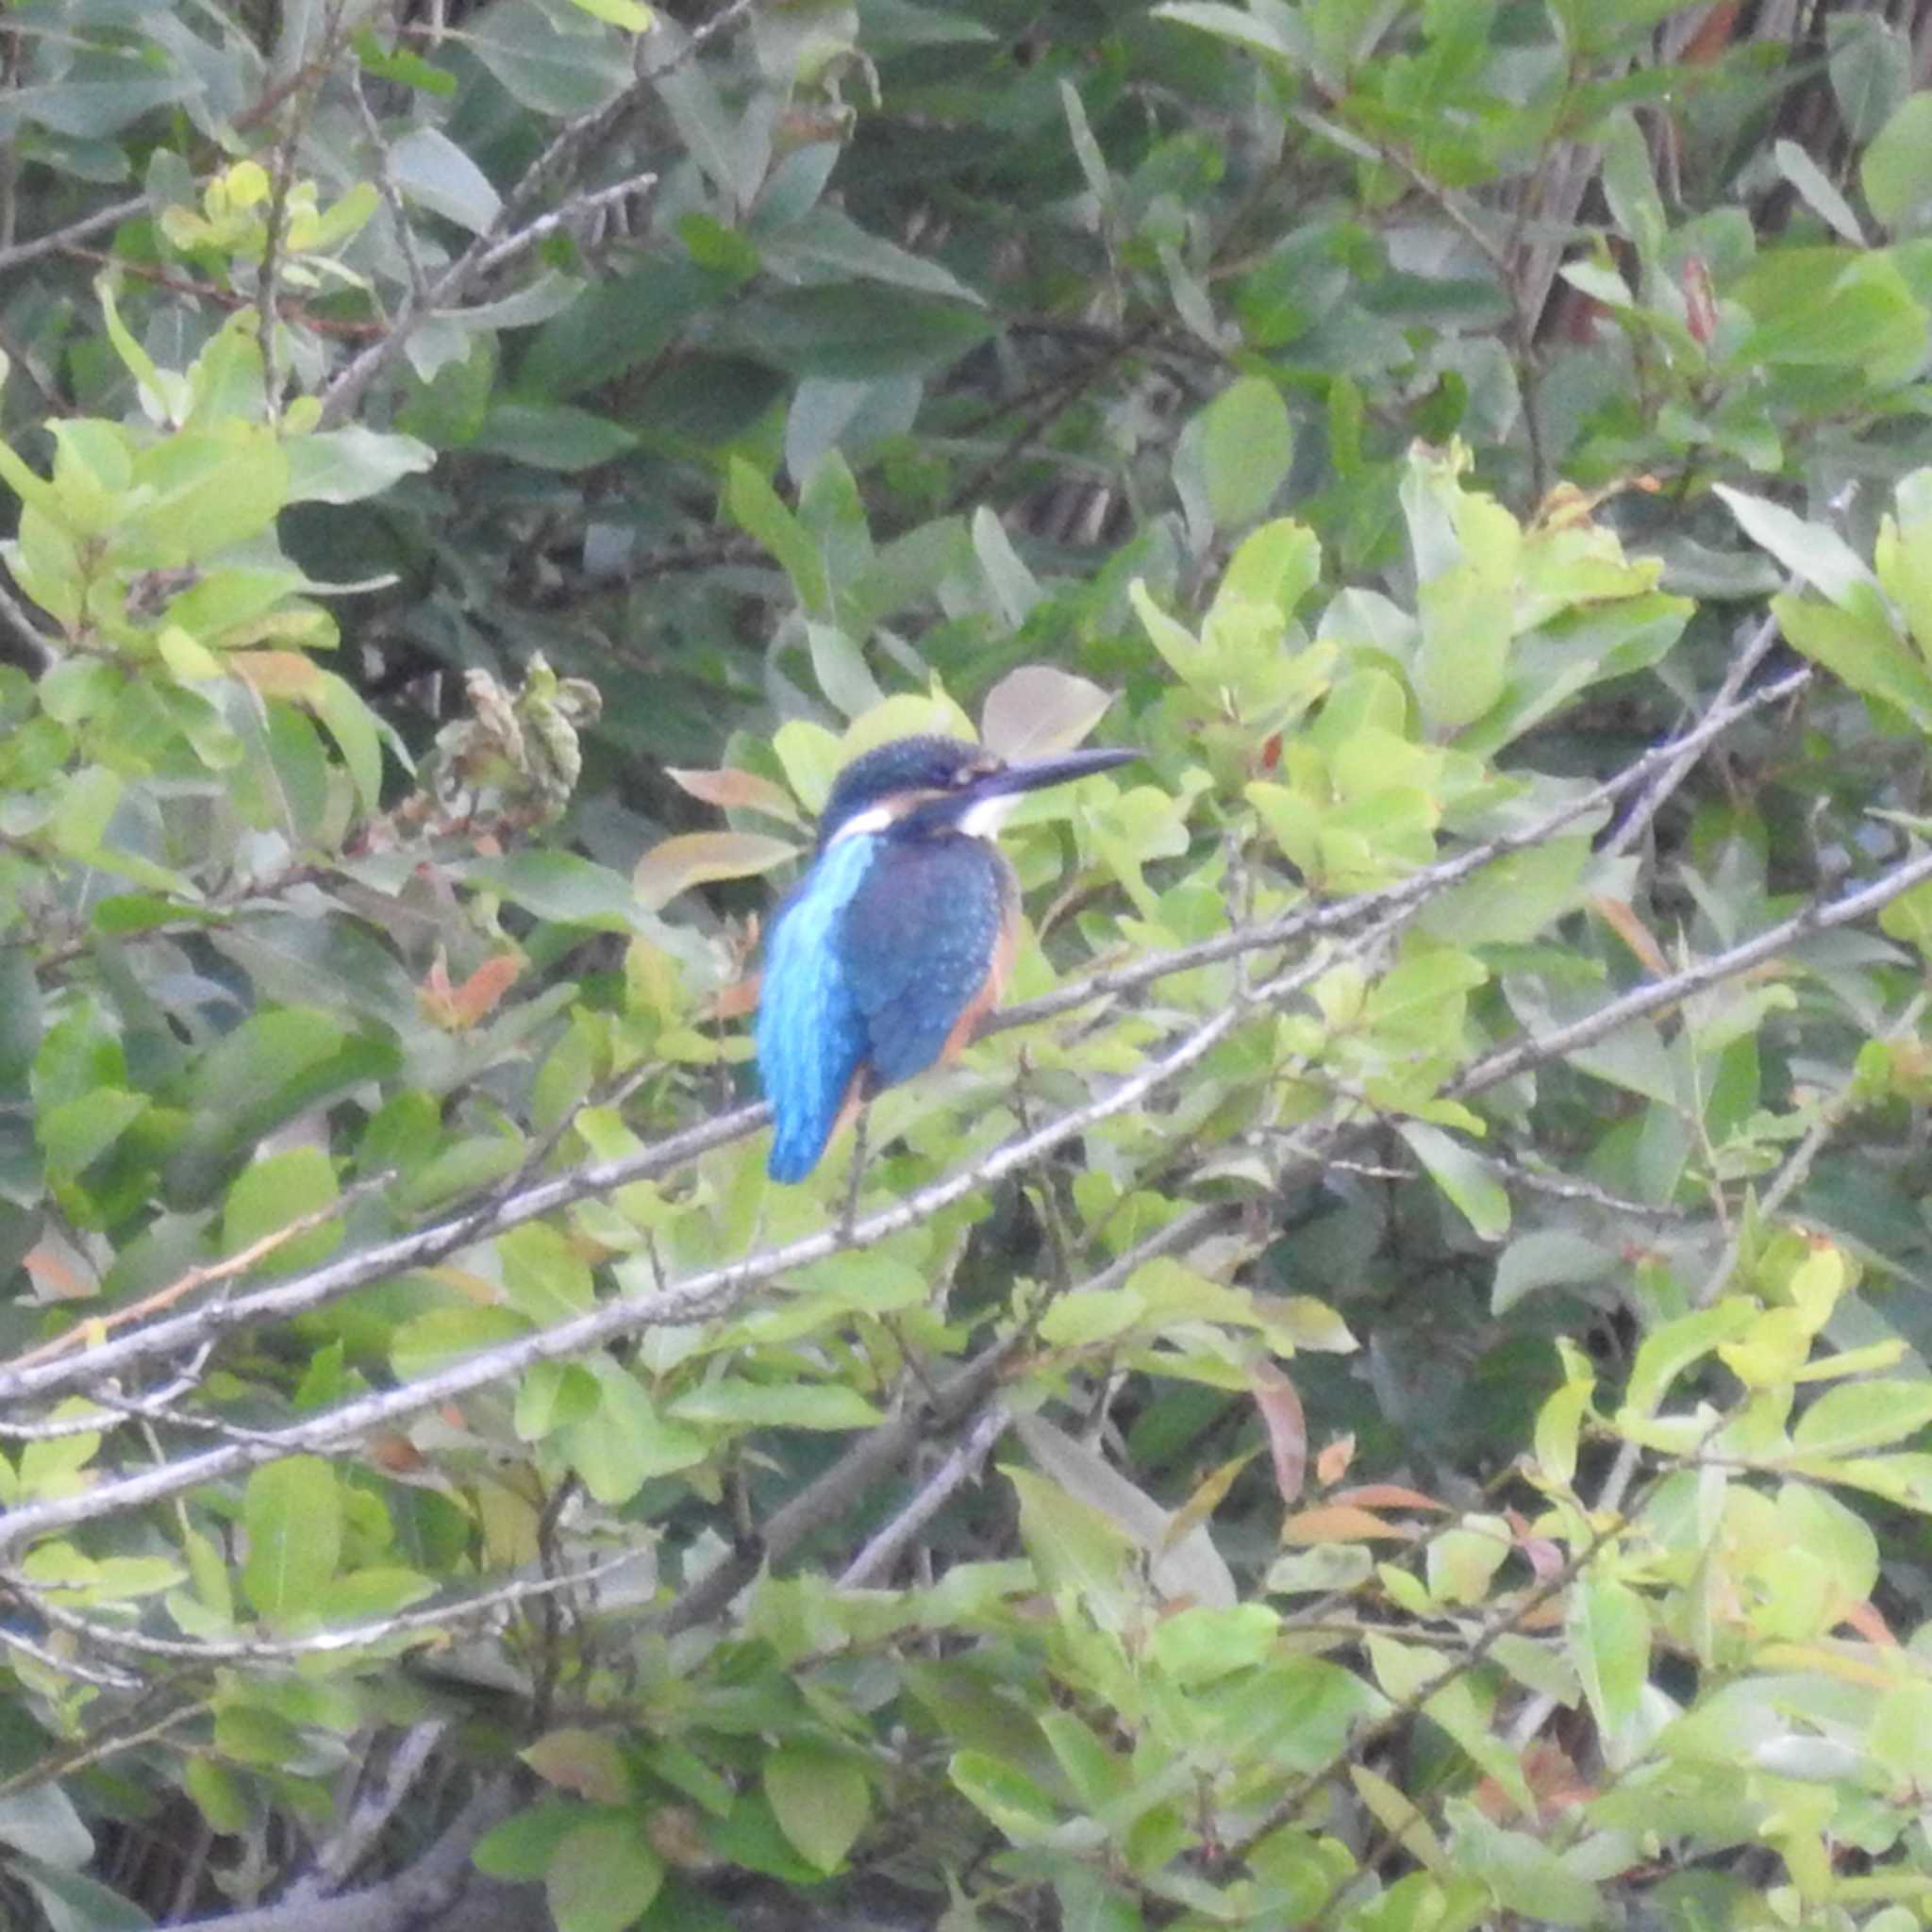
(984, 818)
(862, 823)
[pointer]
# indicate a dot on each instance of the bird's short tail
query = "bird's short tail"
(796, 1147)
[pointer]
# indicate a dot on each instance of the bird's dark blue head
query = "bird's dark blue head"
(929, 785)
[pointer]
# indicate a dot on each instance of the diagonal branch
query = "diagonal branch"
(708, 1293)
(318, 1287)
(716, 1291)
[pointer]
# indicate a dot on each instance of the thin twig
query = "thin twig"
(23, 252)
(103, 1676)
(321, 1643)
(960, 1467)
(100, 1747)
(1680, 767)
(35, 642)
(202, 1277)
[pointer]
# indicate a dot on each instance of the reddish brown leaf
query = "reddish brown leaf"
(735, 1001)
(480, 994)
(1036, 710)
(1554, 1782)
(1387, 1496)
(1713, 34)
(276, 674)
(695, 858)
(1634, 933)
(393, 1453)
(1338, 1523)
(1287, 1426)
(729, 789)
(1865, 1619)
(57, 1273)
(1700, 301)
(1545, 1556)
(1331, 1465)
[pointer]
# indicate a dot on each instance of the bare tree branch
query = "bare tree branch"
(428, 1621)
(960, 1467)
(111, 217)
(710, 1291)
(426, 1890)
(318, 1287)
(715, 1290)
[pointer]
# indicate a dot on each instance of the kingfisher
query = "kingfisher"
(898, 938)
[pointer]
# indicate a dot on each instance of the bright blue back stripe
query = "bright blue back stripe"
(811, 1032)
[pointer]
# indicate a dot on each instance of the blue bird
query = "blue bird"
(899, 938)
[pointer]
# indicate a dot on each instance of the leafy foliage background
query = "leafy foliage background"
(1389, 1389)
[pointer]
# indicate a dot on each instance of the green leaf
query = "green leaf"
(1808, 550)
(430, 168)
(1871, 72)
(1239, 447)
(1467, 551)
(821, 1799)
(756, 508)
(1522, 1874)
(1463, 1176)
(827, 238)
(1896, 170)
(402, 66)
(552, 436)
(1860, 648)
(627, 14)
(1512, 900)
(626, 1441)
(366, 1596)
(523, 1845)
(357, 733)
(1862, 1415)
(560, 886)
(1005, 1795)
(1277, 32)
(1546, 1258)
(347, 465)
(1815, 185)
(1014, 588)
(443, 1336)
(292, 1512)
(1198, 1646)
(74, 1134)
(1276, 566)
(270, 1194)
(1663, 1356)
(845, 331)
(202, 491)
(544, 1275)
(603, 1877)
(553, 1395)
(42, 1818)
(74, 1903)
(1608, 1628)
(778, 1406)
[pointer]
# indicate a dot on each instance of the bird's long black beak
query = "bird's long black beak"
(1032, 774)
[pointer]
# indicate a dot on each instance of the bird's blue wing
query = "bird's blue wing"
(811, 1032)
(918, 939)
